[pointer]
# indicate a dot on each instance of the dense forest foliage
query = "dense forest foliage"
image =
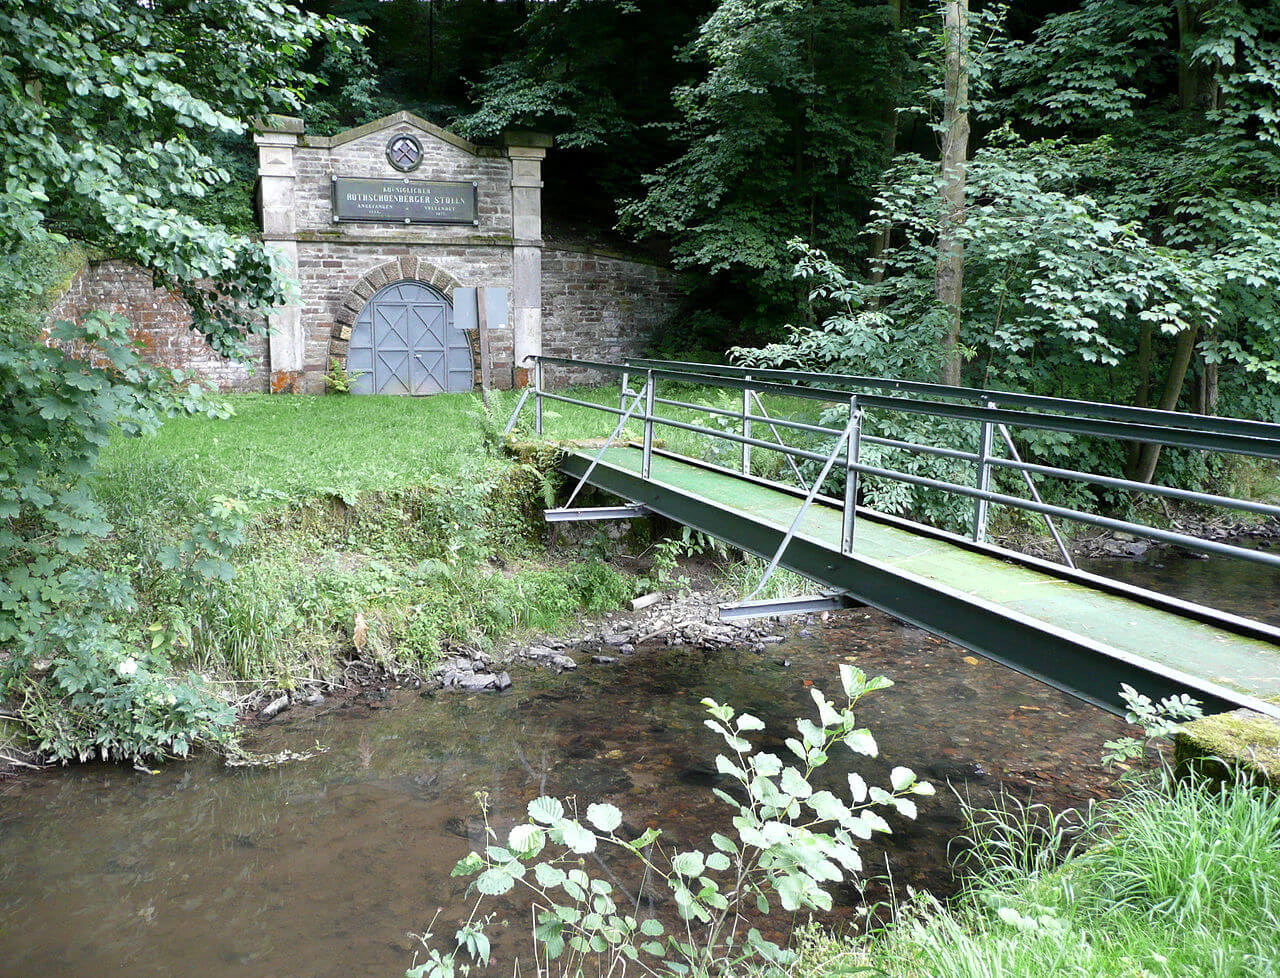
(1027, 195)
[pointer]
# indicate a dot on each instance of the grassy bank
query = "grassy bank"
(396, 512)
(271, 549)
(1170, 880)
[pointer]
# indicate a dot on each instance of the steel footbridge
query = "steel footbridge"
(1077, 631)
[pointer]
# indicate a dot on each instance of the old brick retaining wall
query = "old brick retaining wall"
(160, 321)
(596, 306)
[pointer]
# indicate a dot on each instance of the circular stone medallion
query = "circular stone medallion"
(404, 152)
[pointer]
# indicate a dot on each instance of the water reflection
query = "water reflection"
(1242, 588)
(323, 868)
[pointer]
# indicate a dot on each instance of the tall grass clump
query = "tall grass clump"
(1171, 879)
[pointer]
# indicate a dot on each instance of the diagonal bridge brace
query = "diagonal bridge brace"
(567, 514)
(749, 607)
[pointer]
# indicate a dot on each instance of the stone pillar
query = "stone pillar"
(276, 139)
(526, 151)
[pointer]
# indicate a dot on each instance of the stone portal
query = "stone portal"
(400, 204)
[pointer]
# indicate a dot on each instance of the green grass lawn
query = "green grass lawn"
(345, 446)
(316, 444)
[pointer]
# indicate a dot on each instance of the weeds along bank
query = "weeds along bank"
(270, 548)
(1174, 876)
(1174, 879)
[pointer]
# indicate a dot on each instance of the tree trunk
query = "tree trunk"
(880, 243)
(1149, 454)
(949, 279)
(1198, 88)
(1208, 392)
(1143, 392)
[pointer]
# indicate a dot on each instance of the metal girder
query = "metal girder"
(1196, 612)
(803, 605)
(1072, 663)
(588, 513)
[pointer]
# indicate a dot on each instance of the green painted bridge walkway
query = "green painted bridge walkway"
(1079, 632)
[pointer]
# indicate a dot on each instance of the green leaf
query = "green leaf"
(546, 810)
(861, 742)
(495, 881)
(901, 778)
(606, 818)
(471, 863)
(526, 840)
(651, 927)
(688, 863)
(578, 838)
(548, 875)
(828, 807)
(794, 784)
(857, 788)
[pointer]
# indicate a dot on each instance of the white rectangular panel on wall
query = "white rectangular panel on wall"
(495, 308)
(464, 308)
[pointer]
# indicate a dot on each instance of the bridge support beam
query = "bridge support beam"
(804, 605)
(585, 514)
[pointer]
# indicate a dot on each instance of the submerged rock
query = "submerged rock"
(274, 707)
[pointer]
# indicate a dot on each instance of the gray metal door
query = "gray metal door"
(404, 342)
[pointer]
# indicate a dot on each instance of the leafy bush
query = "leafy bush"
(790, 844)
(55, 609)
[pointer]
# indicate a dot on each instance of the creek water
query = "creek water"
(328, 866)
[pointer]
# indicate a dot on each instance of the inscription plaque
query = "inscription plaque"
(399, 201)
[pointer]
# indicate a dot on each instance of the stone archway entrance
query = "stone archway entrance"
(405, 342)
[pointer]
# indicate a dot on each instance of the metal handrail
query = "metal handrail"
(1091, 409)
(1225, 440)
(988, 416)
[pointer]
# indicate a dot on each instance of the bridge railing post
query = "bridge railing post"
(853, 451)
(980, 505)
(648, 425)
(537, 397)
(746, 426)
(622, 396)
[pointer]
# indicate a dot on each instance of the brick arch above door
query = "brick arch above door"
(405, 268)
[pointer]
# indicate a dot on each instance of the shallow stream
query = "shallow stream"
(326, 867)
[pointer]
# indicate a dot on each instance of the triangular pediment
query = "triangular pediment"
(392, 121)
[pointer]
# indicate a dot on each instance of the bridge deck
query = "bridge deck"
(1164, 637)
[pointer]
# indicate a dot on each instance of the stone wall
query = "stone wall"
(561, 300)
(600, 307)
(160, 320)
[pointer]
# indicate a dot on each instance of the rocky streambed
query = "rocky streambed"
(689, 619)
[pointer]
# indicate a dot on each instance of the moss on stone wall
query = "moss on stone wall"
(1226, 744)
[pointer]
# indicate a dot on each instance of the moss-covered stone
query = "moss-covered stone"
(1229, 745)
